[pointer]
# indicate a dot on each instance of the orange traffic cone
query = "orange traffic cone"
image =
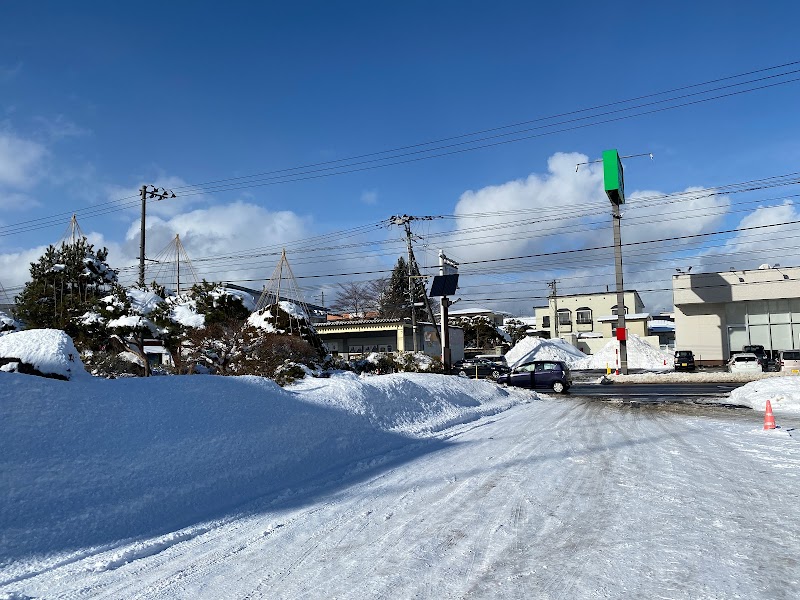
(769, 418)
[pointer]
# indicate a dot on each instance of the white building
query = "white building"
(583, 313)
(716, 314)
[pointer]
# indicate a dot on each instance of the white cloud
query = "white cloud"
(15, 201)
(565, 209)
(59, 127)
(220, 230)
(369, 197)
(558, 200)
(15, 268)
(20, 161)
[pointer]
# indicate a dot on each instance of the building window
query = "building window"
(614, 310)
(564, 317)
(583, 316)
(546, 322)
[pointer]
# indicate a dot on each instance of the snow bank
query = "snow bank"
(782, 392)
(532, 348)
(49, 351)
(97, 461)
(641, 355)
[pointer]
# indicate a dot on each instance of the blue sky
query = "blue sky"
(97, 98)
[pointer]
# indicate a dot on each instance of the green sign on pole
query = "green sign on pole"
(612, 176)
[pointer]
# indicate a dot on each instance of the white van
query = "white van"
(789, 361)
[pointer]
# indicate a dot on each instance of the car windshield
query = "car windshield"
(791, 356)
(745, 358)
(683, 354)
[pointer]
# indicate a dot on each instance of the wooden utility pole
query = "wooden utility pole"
(553, 287)
(413, 275)
(148, 192)
(160, 194)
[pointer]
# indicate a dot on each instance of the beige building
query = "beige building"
(717, 314)
(584, 314)
(356, 338)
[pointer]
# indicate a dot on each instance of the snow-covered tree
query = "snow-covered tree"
(66, 282)
(479, 331)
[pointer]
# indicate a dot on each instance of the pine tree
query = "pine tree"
(66, 282)
(394, 303)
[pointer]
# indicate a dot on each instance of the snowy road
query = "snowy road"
(559, 498)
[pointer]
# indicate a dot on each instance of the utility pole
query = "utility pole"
(151, 192)
(413, 275)
(553, 287)
(160, 194)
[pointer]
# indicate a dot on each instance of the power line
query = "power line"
(291, 174)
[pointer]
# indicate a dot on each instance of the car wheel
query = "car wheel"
(495, 374)
(559, 388)
(462, 373)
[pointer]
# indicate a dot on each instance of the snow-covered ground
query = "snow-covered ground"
(393, 486)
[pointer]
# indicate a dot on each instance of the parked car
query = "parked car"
(789, 362)
(538, 374)
(684, 360)
(759, 351)
(497, 359)
(479, 367)
(745, 362)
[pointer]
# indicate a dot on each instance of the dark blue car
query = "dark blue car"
(539, 374)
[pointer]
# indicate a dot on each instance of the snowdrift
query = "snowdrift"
(532, 348)
(782, 392)
(86, 463)
(641, 355)
(46, 352)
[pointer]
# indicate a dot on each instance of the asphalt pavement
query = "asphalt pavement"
(656, 392)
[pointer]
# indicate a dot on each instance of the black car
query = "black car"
(550, 374)
(759, 351)
(479, 368)
(684, 360)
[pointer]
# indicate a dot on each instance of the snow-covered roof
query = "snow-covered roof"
(478, 310)
(661, 325)
(348, 323)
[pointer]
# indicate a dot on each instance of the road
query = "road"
(661, 392)
(564, 497)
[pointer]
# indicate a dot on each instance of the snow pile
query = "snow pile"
(641, 355)
(7, 323)
(261, 320)
(782, 392)
(124, 458)
(532, 348)
(185, 313)
(247, 300)
(49, 352)
(143, 302)
(293, 310)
